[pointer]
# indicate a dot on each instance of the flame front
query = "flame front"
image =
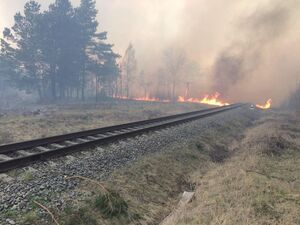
(265, 106)
(144, 99)
(208, 99)
(149, 99)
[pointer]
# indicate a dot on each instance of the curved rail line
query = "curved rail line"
(23, 153)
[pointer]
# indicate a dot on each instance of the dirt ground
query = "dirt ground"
(36, 121)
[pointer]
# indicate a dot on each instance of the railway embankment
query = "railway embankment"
(130, 182)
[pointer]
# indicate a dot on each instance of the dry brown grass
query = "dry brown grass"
(5, 137)
(55, 120)
(152, 186)
(259, 185)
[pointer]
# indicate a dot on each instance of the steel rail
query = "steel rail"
(58, 138)
(134, 129)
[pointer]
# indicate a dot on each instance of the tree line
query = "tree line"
(59, 53)
(173, 74)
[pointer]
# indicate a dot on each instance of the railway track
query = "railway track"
(24, 153)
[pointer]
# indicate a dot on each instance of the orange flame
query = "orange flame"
(208, 99)
(265, 106)
(149, 99)
(144, 99)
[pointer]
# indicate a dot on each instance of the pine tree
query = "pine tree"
(25, 58)
(8, 61)
(86, 18)
(103, 64)
(62, 43)
(97, 57)
(55, 52)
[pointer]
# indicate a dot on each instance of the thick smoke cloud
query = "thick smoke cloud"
(259, 30)
(247, 49)
(228, 70)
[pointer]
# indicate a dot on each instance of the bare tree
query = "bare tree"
(175, 61)
(129, 67)
(191, 77)
(144, 83)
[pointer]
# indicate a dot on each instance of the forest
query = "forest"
(58, 53)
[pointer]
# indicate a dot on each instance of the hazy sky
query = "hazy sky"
(265, 33)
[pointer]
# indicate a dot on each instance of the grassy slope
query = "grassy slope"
(61, 119)
(259, 185)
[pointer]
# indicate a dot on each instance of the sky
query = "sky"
(263, 35)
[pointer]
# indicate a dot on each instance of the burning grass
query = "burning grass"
(267, 105)
(207, 99)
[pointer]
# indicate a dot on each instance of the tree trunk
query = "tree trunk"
(173, 90)
(82, 88)
(53, 82)
(40, 94)
(97, 88)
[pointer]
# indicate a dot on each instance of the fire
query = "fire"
(144, 99)
(208, 99)
(265, 106)
(149, 99)
(180, 99)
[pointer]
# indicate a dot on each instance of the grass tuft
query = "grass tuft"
(30, 218)
(81, 217)
(27, 176)
(265, 208)
(111, 204)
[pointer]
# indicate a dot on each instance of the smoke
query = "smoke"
(294, 100)
(267, 23)
(247, 50)
(228, 70)
(242, 59)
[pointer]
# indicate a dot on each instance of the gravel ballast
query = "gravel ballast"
(47, 180)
